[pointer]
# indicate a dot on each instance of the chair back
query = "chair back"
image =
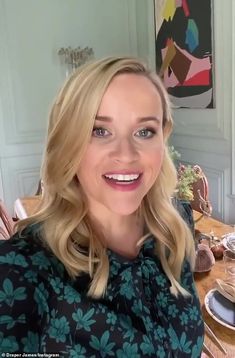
(201, 200)
(3, 233)
(6, 222)
(39, 188)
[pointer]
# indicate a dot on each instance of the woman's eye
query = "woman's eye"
(146, 133)
(100, 132)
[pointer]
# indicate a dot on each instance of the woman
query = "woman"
(104, 269)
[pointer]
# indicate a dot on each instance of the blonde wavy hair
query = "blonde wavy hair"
(63, 215)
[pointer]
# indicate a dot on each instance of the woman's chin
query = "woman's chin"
(124, 210)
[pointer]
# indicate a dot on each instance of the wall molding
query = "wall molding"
(1, 187)
(20, 176)
(13, 133)
(23, 177)
(132, 26)
(213, 121)
(151, 34)
(233, 103)
(216, 191)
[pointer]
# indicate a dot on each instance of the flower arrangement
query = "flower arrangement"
(187, 175)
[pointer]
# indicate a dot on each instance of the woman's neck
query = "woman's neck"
(121, 233)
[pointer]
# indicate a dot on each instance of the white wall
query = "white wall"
(207, 136)
(31, 32)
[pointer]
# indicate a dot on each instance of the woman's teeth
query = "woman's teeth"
(122, 177)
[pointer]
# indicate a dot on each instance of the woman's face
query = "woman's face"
(125, 153)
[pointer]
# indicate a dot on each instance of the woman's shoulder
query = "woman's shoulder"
(26, 250)
(27, 242)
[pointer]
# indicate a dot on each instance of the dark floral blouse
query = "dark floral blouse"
(42, 310)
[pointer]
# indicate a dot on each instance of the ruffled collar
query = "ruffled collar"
(146, 250)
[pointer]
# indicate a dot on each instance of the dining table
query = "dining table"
(204, 281)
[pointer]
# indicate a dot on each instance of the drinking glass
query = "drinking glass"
(229, 265)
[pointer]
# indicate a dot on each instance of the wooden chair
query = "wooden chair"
(201, 202)
(3, 233)
(39, 190)
(6, 222)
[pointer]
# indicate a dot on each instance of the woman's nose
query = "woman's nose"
(125, 151)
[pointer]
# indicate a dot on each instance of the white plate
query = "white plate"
(226, 239)
(215, 307)
(224, 242)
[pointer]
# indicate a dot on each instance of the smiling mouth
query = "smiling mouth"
(122, 178)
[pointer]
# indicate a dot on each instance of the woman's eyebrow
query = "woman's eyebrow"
(149, 118)
(103, 118)
(140, 120)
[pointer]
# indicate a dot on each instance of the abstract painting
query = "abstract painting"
(184, 51)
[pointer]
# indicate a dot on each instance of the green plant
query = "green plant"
(187, 175)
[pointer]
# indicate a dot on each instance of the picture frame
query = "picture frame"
(184, 51)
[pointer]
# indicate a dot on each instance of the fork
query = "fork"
(206, 350)
(212, 334)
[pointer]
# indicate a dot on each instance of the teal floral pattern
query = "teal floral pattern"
(59, 328)
(43, 310)
(30, 342)
(9, 295)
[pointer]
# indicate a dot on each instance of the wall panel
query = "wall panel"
(20, 176)
(31, 33)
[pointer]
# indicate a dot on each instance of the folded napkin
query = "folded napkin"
(226, 289)
(204, 259)
(222, 308)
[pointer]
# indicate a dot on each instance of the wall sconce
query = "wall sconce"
(73, 58)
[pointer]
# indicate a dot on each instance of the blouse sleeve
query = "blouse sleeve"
(187, 279)
(18, 311)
